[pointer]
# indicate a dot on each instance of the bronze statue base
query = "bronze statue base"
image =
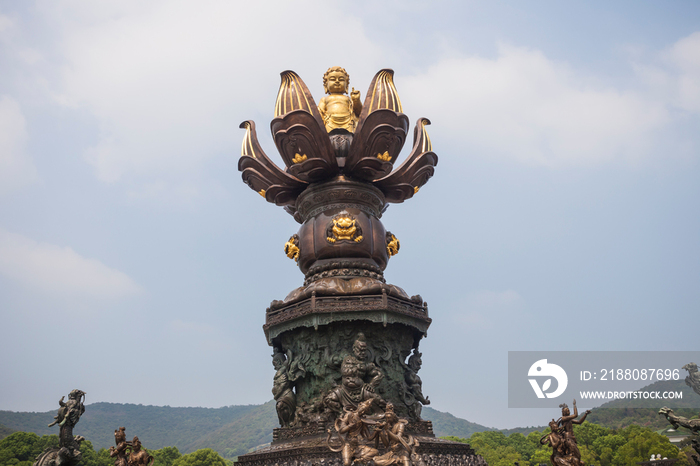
(58, 455)
(313, 451)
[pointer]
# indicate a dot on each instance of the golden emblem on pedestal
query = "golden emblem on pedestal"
(291, 247)
(392, 244)
(343, 227)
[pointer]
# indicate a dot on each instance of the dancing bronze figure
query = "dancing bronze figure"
(68, 453)
(565, 450)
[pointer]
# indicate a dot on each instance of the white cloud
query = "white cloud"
(16, 166)
(5, 23)
(60, 270)
(15, 49)
(528, 107)
(170, 81)
(685, 58)
(673, 75)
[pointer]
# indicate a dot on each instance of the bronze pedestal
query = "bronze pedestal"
(345, 338)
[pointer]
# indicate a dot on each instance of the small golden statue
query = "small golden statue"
(337, 109)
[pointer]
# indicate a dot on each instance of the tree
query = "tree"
(587, 456)
(540, 456)
(103, 459)
(587, 433)
(203, 457)
(522, 445)
(606, 446)
(455, 439)
(18, 448)
(90, 457)
(165, 456)
(640, 445)
(22, 448)
(495, 447)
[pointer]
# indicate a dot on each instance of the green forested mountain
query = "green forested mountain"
(234, 430)
(690, 398)
(598, 446)
(615, 435)
(646, 412)
(5, 431)
(445, 424)
(161, 426)
(522, 430)
(231, 430)
(250, 430)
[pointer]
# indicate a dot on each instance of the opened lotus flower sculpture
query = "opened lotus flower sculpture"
(339, 161)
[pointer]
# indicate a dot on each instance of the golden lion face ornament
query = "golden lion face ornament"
(343, 227)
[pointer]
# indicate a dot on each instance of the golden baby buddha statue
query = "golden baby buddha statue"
(337, 109)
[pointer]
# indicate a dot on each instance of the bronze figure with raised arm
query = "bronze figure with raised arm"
(566, 423)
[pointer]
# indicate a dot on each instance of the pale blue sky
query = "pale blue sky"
(563, 214)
